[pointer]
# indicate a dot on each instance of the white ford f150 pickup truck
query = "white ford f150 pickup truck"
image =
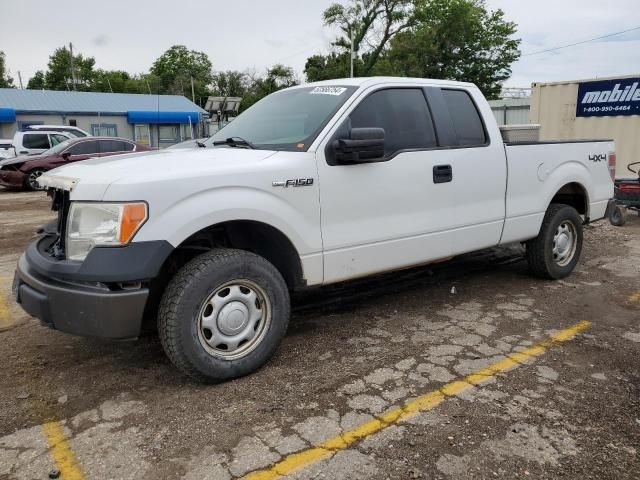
(315, 184)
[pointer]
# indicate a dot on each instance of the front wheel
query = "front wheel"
(31, 180)
(555, 252)
(223, 315)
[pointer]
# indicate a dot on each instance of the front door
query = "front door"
(78, 151)
(394, 213)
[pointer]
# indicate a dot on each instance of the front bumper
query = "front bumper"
(89, 298)
(80, 309)
(11, 178)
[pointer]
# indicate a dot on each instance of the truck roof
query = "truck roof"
(369, 81)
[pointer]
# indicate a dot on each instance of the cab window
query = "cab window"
(404, 115)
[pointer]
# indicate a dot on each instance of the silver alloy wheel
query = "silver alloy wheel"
(234, 319)
(565, 242)
(32, 178)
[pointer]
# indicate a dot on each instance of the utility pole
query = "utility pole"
(73, 72)
(20, 79)
(109, 83)
(193, 91)
(353, 52)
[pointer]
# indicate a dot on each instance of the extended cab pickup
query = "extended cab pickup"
(315, 184)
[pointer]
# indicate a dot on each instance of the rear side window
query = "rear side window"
(84, 148)
(36, 140)
(404, 115)
(466, 118)
(107, 146)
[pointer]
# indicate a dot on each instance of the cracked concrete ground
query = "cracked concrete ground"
(352, 353)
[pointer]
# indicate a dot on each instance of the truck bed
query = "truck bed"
(538, 170)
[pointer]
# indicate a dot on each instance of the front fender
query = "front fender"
(203, 209)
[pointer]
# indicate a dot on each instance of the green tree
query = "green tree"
(116, 81)
(456, 40)
(59, 76)
(373, 24)
(326, 67)
(37, 82)
(177, 66)
(5, 79)
(229, 84)
(277, 77)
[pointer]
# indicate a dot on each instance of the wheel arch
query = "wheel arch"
(575, 195)
(257, 237)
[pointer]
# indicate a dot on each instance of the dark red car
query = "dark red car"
(23, 172)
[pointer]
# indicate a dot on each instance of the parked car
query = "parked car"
(23, 172)
(6, 148)
(313, 185)
(73, 131)
(33, 143)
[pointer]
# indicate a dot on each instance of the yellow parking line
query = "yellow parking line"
(60, 450)
(634, 297)
(297, 461)
(5, 320)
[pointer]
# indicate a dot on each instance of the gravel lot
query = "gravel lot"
(352, 353)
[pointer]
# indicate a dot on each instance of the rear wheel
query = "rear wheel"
(223, 315)
(617, 217)
(31, 180)
(556, 250)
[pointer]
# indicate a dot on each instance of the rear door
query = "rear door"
(479, 167)
(33, 143)
(79, 151)
(113, 147)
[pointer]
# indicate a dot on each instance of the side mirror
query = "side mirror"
(363, 145)
(66, 155)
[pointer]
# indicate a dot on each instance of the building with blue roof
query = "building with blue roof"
(155, 120)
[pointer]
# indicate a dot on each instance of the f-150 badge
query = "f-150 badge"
(295, 182)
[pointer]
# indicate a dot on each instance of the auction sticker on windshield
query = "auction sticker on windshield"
(328, 91)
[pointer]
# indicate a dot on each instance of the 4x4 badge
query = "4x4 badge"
(296, 182)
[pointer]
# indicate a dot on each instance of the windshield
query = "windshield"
(58, 148)
(286, 120)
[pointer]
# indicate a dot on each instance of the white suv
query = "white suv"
(74, 131)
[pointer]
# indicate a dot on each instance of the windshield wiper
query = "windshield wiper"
(200, 144)
(235, 142)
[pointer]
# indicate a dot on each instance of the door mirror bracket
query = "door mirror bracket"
(364, 145)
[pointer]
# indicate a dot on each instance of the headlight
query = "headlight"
(101, 224)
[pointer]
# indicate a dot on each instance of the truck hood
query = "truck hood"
(94, 176)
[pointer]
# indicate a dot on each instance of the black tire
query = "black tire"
(617, 217)
(191, 292)
(543, 260)
(30, 180)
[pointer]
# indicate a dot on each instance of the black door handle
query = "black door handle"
(442, 174)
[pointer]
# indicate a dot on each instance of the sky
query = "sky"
(254, 34)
